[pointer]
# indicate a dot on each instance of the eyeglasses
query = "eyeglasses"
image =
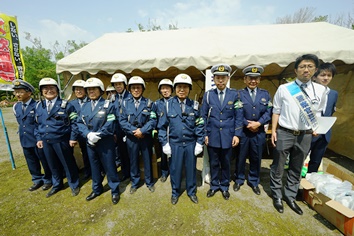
(303, 67)
(19, 92)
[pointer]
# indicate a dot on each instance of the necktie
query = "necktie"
(49, 108)
(253, 95)
(120, 98)
(303, 86)
(24, 106)
(93, 105)
(136, 104)
(182, 107)
(221, 97)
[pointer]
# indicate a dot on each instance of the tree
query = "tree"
(305, 15)
(41, 62)
(38, 64)
(152, 26)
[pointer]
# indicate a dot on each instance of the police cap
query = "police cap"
(20, 84)
(221, 69)
(253, 70)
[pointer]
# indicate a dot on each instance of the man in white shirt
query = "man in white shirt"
(295, 108)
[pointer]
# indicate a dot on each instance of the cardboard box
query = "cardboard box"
(333, 211)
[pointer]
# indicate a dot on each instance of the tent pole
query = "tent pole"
(7, 141)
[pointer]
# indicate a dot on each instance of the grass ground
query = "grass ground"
(143, 213)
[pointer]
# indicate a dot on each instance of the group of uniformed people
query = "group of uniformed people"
(120, 129)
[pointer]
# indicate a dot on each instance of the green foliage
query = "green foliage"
(38, 64)
(152, 26)
(321, 19)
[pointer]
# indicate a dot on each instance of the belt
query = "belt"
(296, 132)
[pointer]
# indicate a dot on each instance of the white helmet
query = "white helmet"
(182, 79)
(47, 81)
(165, 82)
(110, 88)
(78, 83)
(118, 77)
(136, 80)
(94, 82)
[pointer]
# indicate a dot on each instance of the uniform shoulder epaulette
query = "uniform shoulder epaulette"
(64, 103)
(106, 104)
(38, 102)
(13, 108)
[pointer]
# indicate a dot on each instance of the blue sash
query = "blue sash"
(307, 115)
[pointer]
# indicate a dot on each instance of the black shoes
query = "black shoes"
(256, 190)
(151, 188)
(75, 191)
(194, 199)
(163, 179)
(35, 186)
(52, 192)
(115, 199)
(174, 200)
(278, 205)
(294, 206)
(92, 196)
(132, 190)
(226, 195)
(46, 186)
(237, 187)
(211, 193)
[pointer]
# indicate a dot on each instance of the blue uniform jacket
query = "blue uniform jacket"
(118, 106)
(75, 103)
(57, 126)
(102, 119)
(181, 129)
(260, 110)
(330, 109)
(144, 117)
(222, 122)
(26, 123)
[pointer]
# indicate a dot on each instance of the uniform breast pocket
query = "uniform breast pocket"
(145, 115)
(61, 118)
(263, 106)
(31, 118)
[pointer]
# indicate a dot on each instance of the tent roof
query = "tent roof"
(275, 46)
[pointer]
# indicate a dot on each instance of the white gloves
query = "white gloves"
(198, 149)
(125, 139)
(167, 149)
(93, 137)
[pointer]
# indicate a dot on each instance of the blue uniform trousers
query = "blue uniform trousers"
(102, 155)
(143, 146)
(183, 155)
(219, 168)
(318, 149)
(34, 157)
(250, 145)
(123, 156)
(164, 164)
(60, 155)
(87, 167)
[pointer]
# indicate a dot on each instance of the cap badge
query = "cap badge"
(183, 76)
(221, 68)
(254, 69)
(17, 83)
(90, 80)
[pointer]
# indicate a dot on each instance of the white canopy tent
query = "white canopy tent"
(159, 54)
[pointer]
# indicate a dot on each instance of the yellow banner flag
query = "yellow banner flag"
(11, 62)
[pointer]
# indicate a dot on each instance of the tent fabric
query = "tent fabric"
(164, 54)
(199, 49)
